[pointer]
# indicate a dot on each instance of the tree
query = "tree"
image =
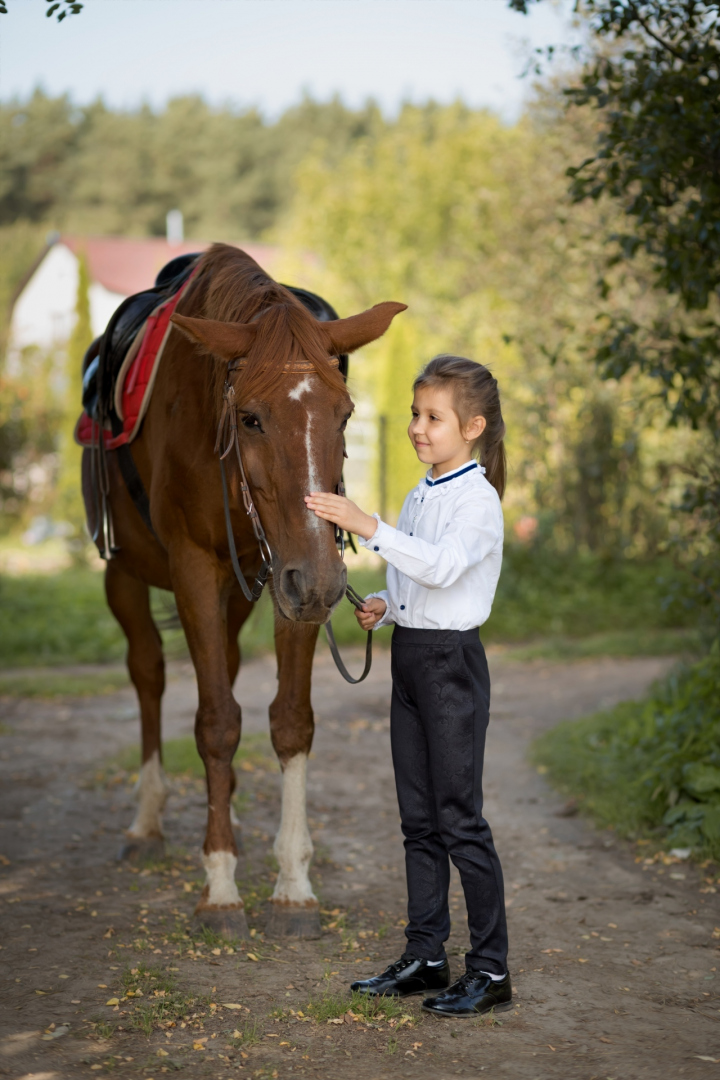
(72, 7)
(653, 79)
(70, 502)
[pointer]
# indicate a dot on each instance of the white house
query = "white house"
(43, 313)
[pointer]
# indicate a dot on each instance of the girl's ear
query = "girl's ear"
(474, 429)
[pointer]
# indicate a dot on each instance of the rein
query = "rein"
(227, 436)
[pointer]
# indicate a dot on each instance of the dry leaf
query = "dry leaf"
(237, 1034)
(230, 1005)
(42, 993)
(252, 956)
(581, 960)
(198, 1046)
(702, 1057)
(216, 952)
(113, 1001)
(161, 1053)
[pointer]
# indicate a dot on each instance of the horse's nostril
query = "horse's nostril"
(291, 580)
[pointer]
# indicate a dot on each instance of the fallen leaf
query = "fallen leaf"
(284, 1044)
(552, 950)
(161, 1053)
(338, 1020)
(102, 986)
(252, 956)
(581, 960)
(702, 1057)
(216, 952)
(237, 1034)
(603, 1039)
(551, 1047)
(198, 1046)
(63, 976)
(230, 1005)
(271, 1035)
(113, 1001)
(41, 992)
(56, 1034)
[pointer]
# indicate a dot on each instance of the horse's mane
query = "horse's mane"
(236, 289)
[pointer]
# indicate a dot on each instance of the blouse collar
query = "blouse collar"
(446, 477)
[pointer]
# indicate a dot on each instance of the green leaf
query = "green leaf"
(700, 779)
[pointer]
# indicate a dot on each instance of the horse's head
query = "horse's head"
(292, 409)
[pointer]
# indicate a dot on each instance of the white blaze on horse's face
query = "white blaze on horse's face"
(303, 387)
(313, 479)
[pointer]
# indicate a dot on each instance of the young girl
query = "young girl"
(444, 562)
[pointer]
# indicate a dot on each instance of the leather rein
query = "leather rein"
(226, 441)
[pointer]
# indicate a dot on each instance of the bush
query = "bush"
(648, 766)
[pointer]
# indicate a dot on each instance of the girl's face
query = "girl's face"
(435, 430)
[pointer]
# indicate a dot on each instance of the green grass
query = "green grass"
(649, 768)
(332, 1006)
(180, 756)
(561, 605)
(58, 684)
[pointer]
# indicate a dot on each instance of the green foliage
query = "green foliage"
(70, 504)
(333, 1006)
(48, 684)
(650, 766)
(180, 758)
(567, 600)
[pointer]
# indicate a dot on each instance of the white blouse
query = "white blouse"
(445, 554)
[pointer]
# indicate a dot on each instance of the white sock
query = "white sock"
(495, 978)
(435, 963)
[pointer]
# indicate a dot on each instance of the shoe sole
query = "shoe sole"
(413, 993)
(504, 1007)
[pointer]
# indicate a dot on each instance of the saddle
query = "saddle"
(119, 371)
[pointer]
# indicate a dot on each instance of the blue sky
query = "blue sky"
(267, 52)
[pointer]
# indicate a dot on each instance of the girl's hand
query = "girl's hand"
(345, 514)
(371, 612)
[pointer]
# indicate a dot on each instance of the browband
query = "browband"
(292, 366)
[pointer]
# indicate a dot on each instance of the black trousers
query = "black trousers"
(438, 719)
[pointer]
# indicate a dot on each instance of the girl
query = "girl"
(444, 562)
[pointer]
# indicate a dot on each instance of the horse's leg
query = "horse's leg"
(202, 610)
(129, 601)
(238, 610)
(294, 907)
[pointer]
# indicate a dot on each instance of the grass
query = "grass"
(561, 605)
(180, 756)
(336, 1005)
(160, 1002)
(59, 684)
(648, 769)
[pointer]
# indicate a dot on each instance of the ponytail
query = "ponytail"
(475, 393)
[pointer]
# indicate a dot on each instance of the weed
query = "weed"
(333, 1005)
(206, 936)
(392, 1045)
(161, 1002)
(102, 1029)
(248, 1036)
(382, 930)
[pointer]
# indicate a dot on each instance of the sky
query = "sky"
(267, 53)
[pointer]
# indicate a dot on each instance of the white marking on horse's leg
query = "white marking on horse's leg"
(303, 387)
(220, 886)
(153, 790)
(293, 846)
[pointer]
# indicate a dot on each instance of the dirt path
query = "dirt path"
(614, 962)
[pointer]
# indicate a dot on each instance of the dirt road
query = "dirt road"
(614, 961)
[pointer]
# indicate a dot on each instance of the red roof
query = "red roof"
(125, 265)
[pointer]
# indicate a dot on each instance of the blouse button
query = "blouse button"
(402, 607)
(376, 548)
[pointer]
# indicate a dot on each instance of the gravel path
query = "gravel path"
(614, 960)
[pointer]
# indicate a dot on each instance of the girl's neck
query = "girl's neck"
(456, 462)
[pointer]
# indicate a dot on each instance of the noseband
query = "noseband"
(227, 437)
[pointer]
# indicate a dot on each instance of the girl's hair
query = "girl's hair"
(475, 393)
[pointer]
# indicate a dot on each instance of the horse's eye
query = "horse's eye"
(250, 421)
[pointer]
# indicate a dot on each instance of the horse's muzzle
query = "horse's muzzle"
(304, 595)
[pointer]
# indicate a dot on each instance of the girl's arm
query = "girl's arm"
(471, 536)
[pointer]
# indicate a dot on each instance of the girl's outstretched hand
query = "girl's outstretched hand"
(345, 514)
(371, 611)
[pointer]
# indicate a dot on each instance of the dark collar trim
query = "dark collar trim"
(451, 476)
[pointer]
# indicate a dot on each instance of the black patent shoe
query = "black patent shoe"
(472, 995)
(405, 977)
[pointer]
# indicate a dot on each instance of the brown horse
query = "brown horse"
(292, 407)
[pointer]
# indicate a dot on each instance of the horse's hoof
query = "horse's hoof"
(227, 922)
(293, 920)
(141, 849)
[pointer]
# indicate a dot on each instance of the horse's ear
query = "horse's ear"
(346, 335)
(228, 340)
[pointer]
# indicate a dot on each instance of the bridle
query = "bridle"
(226, 441)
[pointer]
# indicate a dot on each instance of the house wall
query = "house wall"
(44, 312)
